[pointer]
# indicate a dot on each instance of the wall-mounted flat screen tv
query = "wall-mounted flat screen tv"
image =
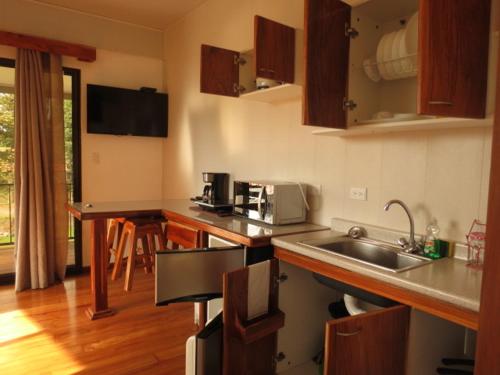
(112, 110)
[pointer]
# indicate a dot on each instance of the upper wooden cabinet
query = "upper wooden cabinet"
(364, 67)
(219, 71)
(327, 62)
(231, 73)
(274, 50)
(454, 47)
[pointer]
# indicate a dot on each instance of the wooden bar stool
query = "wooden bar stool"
(114, 234)
(146, 230)
(181, 235)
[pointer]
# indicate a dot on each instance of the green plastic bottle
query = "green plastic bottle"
(431, 249)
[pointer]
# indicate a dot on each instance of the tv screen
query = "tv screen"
(112, 110)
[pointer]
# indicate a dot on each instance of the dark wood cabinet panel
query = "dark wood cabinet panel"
(488, 349)
(274, 50)
(249, 346)
(219, 71)
(454, 43)
(326, 62)
(374, 343)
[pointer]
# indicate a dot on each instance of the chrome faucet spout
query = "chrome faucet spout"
(412, 245)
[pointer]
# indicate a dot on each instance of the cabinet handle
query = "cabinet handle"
(347, 334)
(440, 103)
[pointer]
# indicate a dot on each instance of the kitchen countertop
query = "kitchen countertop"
(447, 279)
(236, 228)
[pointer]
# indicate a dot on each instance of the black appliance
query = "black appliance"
(217, 188)
(215, 195)
(117, 111)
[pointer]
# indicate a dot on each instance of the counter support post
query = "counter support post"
(98, 271)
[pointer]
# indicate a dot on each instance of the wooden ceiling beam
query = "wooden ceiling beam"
(81, 52)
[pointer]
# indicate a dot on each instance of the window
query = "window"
(72, 152)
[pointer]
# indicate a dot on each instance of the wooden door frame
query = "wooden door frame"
(488, 343)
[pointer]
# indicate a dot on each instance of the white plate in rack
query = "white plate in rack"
(380, 56)
(397, 55)
(388, 64)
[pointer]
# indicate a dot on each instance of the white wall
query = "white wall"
(47, 21)
(113, 168)
(119, 168)
(442, 175)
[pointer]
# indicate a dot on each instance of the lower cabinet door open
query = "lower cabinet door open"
(374, 343)
(250, 338)
(194, 275)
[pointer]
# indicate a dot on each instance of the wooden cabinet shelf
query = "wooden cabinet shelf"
(407, 126)
(275, 95)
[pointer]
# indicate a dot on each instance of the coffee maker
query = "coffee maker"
(215, 195)
(216, 190)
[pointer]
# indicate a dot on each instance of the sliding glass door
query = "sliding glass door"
(73, 170)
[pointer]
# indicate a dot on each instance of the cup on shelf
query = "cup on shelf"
(265, 83)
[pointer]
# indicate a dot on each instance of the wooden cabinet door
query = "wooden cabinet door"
(454, 44)
(374, 343)
(219, 71)
(249, 345)
(274, 50)
(326, 62)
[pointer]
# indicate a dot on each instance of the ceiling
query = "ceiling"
(150, 13)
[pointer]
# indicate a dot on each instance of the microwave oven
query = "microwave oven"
(271, 202)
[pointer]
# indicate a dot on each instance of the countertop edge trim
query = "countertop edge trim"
(212, 229)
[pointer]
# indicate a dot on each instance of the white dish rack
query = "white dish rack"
(405, 66)
(396, 55)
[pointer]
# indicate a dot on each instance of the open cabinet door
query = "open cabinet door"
(220, 71)
(488, 348)
(374, 343)
(454, 44)
(250, 344)
(326, 62)
(274, 50)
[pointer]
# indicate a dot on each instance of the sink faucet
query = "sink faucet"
(410, 246)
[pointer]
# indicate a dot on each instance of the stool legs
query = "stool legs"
(117, 268)
(133, 232)
(129, 276)
(146, 252)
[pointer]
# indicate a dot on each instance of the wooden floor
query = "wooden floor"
(47, 332)
(7, 257)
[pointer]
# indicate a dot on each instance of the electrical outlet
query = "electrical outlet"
(359, 194)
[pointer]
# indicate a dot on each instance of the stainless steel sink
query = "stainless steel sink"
(369, 252)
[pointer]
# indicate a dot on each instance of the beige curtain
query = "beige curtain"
(40, 181)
